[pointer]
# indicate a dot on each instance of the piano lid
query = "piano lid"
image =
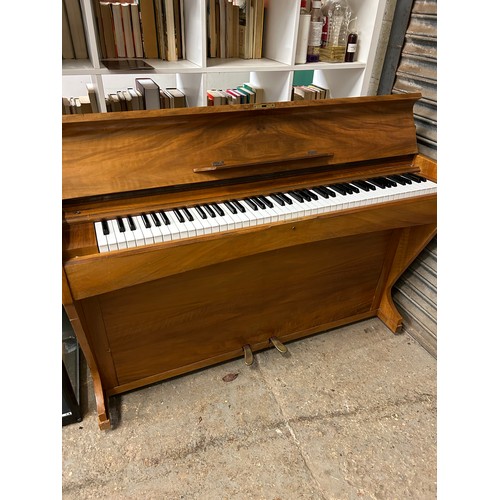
(122, 152)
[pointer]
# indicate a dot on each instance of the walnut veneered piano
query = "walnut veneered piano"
(193, 236)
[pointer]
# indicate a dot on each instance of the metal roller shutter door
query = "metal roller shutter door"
(410, 65)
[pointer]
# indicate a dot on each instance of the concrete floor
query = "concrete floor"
(346, 414)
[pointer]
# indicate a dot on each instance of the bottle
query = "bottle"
(338, 13)
(316, 26)
(352, 43)
(303, 33)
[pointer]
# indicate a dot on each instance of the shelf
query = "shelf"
(274, 71)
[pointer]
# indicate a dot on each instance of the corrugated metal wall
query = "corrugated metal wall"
(410, 66)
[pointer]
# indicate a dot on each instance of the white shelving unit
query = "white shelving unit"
(274, 72)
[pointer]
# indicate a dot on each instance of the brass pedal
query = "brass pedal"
(248, 355)
(276, 343)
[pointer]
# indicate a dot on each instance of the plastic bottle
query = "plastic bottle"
(338, 13)
(303, 33)
(315, 32)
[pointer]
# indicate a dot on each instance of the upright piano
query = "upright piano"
(197, 235)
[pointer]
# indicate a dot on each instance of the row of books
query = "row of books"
(146, 95)
(235, 28)
(153, 29)
(244, 94)
(309, 92)
(74, 44)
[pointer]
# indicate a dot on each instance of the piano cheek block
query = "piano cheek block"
(326, 236)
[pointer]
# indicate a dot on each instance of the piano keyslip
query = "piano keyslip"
(188, 222)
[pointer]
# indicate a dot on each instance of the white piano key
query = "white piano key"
(164, 228)
(138, 235)
(120, 237)
(147, 233)
(129, 234)
(102, 241)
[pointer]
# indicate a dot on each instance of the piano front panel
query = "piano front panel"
(174, 322)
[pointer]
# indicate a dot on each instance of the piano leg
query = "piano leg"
(100, 396)
(410, 243)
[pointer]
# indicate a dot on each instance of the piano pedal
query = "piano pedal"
(281, 347)
(248, 355)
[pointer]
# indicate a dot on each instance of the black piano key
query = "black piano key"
(258, 202)
(131, 223)
(208, 208)
(354, 188)
(251, 204)
(188, 214)
(377, 182)
(164, 218)
(328, 191)
(348, 189)
(390, 182)
(398, 179)
(218, 210)
(415, 177)
(304, 194)
(105, 227)
(121, 225)
(145, 219)
(321, 192)
(296, 195)
(285, 198)
(178, 214)
(278, 200)
(239, 206)
(266, 201)
(230, 207)
(338, 189)
(156, 221)
(200, 210)
(312, 194)
(362, 185)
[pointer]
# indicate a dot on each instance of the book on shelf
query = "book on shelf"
(114, 102)
(170, 34)
(66, 106)
(99, 27)
(160, 28)
(91, 91)
(165, 99)
(106, 15)
(118, 30)
(66, 42)
(216, 97)
(137, 99)
(127, 29)
(136, 30)
(150, 91)
(250, 94)
(212, 29)
(124, 106)
(85, 104)
(178, 97)
(149, 29)
(258, 91)
(222, 28)
(76, 28)
(76, 107)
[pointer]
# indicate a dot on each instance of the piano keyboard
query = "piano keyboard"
(186, 222)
